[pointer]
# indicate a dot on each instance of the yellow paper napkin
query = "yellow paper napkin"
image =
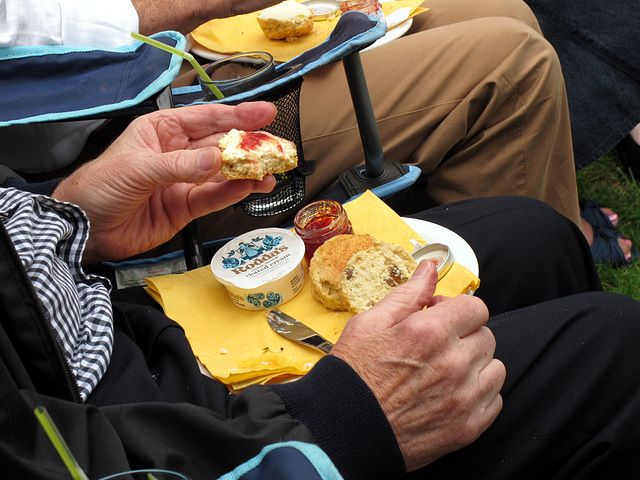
(369, 214)
(237, 346)
(243, 34)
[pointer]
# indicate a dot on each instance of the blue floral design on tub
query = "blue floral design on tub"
(258, 299)
(247, 251)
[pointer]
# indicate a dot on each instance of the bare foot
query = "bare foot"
(613, 216)
(635, 134)
(624, 243)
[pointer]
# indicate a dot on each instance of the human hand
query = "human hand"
(432, 370)
(161, 173)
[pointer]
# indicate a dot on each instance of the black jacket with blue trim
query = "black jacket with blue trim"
(153, 408)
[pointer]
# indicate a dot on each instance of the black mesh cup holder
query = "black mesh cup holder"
(289, 191)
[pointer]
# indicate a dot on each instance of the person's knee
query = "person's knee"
(510, 48)
(527, 222)
(529, 217)
(447, 12)
(612, 318)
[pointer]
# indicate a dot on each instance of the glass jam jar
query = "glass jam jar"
(370, 7)
(318, 222)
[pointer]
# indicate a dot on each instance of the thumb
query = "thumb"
(405, 299)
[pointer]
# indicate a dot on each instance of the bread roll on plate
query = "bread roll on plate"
(354, 272)
(328, 263)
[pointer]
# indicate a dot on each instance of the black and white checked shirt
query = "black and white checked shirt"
(50, 237)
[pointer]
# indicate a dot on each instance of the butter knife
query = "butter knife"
(295, 330)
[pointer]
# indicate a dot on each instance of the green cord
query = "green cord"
(58, 442)
(187, 56)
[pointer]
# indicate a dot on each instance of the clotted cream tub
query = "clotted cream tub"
(262, 268)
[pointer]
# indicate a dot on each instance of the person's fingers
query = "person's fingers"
(491, 378)
(404, 299)
(203, 125)
(216, 195)
(466, 312)
(184, 166)
(489, 372)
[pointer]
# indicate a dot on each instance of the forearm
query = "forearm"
(330, 407)
(185, 15)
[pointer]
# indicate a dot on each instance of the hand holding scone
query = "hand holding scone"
(432, 369)
(160, 174)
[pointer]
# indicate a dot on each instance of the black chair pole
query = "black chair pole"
(369, 133)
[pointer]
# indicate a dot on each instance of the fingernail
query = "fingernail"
(613, 217)
(205, 161)
(422, 268)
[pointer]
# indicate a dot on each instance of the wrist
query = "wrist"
(346, 420)
(183, 15)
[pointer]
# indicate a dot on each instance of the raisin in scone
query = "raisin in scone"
(287, 20)
(328, 263)
(371, 274)
(252, 155)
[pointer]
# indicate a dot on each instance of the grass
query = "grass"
(613, 186)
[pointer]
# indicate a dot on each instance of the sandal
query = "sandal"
(592, 212)
(605, 248)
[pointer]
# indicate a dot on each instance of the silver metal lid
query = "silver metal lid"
(438, 252)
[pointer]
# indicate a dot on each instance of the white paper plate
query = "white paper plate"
(432, 233)
(207, 54)
(393, 34)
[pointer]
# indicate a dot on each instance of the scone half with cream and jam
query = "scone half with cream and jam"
(252, 155)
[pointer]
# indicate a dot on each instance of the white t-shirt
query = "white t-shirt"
(104, 24)
(91, 23)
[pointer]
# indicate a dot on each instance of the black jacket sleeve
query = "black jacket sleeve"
(9, 178)
(154, 409)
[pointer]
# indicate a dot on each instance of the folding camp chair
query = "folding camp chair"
(135, 79)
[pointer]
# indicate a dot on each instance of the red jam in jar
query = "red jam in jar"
(318, 222)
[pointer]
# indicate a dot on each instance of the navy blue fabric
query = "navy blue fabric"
(60, 83)
(597, 45)
(276, 464)
(57, 82)
(285, 462)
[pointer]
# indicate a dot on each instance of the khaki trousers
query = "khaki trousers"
(473, 95)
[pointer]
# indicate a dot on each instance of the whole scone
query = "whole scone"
(252, 155)
(287, 20)
(328, 263)
(371, 274)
